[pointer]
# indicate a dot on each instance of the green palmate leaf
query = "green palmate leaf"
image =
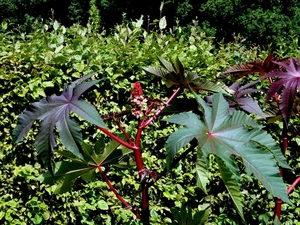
(156, 71)
(182, 137)
(206, 85)
(54, 111)
(65, 174)
(178, 66)
(231, 186)
(190, 77)
(100, 154)
(167, 65)
(172, 74)
(226, 135)
(167, 77)
(202, 172)
(115, 155)
(89, 176)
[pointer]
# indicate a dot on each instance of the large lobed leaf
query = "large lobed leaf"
(288, 83)
(239, 99)
(67, 172)
(258, 66)
(54, 111)
(232, 186)
(172, 73)
(225, 135)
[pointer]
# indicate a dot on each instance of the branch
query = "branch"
(124, 143)
(112, 188)
(145, 124)
(117, 120)
(114, 115)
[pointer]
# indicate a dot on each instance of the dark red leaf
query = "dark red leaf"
(289, 81)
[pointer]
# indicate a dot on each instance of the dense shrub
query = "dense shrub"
(52, 56)
(262, 22)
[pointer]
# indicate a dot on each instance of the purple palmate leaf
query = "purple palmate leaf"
(54, 112)
(289, 81)
(246, 103)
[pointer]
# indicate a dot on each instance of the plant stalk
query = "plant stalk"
(114, 137)
(112, 188)
(145, 124)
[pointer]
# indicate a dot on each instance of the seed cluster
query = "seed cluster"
(137, 100)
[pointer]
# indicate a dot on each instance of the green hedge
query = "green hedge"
(53, 56)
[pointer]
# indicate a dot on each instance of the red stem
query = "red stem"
(137, 152)
(112, 188)
(275, 95)
(284, 145)
(145, 124)
(279, 201)
(290, 189)
(124, 143)
(125, 133)
(136, 147)
(139, 160)
(278, 208)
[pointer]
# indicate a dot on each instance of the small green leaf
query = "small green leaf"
(60, 59)
(162, 23)
(102, 205)
(55, 25)
(37, 219)
(139, 23)
(4, 25)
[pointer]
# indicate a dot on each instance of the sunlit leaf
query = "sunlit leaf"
(226, 135)
(162, 23)
(232, 186)
(202, 172)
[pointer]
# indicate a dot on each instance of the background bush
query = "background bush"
(262, 22)
(53, 55)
